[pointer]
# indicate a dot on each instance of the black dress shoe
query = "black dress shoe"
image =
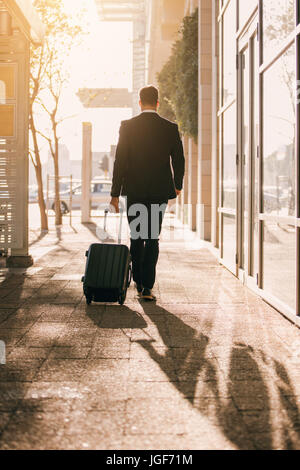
(139, 288)
(148, 295)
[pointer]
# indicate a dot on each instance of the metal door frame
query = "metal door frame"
(246, 42)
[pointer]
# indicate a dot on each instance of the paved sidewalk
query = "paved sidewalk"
(210, 366)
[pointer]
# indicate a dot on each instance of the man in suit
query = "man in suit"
(149, 170)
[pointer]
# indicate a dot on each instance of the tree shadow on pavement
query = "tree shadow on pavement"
(39, 237)
(234, 393)
(17, 372)
(98, 231)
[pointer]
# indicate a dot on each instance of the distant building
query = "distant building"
(68, 167)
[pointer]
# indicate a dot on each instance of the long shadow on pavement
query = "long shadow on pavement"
(15, 374)
(40, 237)
(116, 318)
(242, 405)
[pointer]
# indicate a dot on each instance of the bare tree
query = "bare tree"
(48, 78)
(36, 80)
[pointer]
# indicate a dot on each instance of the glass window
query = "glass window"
(77, 191)
(279, 136)
(229, 157)
(229, 53)
(245, 10)
(106, 188)
(7, 120)
(279, 262)
(255, 163)
(229, 239)
(7, 82)
(278, 23)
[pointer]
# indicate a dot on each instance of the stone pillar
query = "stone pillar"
(205, 120)
(19, 253)
(86, 173)
(192, 184)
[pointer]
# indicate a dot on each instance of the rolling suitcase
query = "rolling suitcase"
(108, 271)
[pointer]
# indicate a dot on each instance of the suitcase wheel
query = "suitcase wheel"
(122, 299)
(88, 300)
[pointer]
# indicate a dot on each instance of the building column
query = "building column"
(86, 174)
(19, 253)
(192, 183)
(205, 120)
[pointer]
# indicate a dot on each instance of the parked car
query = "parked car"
(33, 193)
(100, 196)
(64, 186)
(274, 199)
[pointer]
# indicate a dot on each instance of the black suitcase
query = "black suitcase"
(108, 271)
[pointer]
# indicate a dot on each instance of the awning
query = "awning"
(26, 16)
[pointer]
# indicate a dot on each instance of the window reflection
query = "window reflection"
(229, 57)
(2, 92)
(279, 136)
(280, 250)
(245, 10)
(229, 239)
(7, 117)
(278, 23)
(229, 157)
(7, 82)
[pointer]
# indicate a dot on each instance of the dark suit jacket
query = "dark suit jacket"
(149, 149)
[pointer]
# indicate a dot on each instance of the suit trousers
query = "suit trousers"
(145, 221)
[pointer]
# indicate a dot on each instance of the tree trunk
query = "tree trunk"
(58, 214)
(41, 200)
(39, 178)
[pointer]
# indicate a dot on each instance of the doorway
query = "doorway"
(248, 153)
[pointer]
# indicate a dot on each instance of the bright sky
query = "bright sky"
(104, 59)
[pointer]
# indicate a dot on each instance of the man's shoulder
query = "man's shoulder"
(162, 120)
(126, 123)
(167, 122)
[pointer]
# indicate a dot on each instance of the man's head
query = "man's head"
(149, 97)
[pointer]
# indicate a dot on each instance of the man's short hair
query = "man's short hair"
(149, 95)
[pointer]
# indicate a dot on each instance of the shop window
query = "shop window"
(229, 158)
(279, 136)
(278, 23)
(245, 10)
(279, 267)
(229, 239)
(229, 53)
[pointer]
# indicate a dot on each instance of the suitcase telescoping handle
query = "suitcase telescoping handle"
(106, 212)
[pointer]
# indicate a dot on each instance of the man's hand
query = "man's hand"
(178, 192)
(115, 203)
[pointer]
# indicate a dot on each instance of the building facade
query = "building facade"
(258, 196)
(241, 191)
(19, 25)
(136, 12)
